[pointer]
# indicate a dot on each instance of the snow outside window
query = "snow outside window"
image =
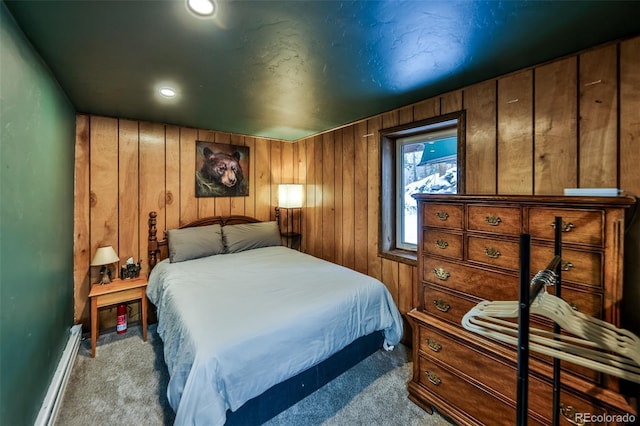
(425, 163)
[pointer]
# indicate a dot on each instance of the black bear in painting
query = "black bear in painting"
(220, 175)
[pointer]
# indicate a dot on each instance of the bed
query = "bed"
(249, 326)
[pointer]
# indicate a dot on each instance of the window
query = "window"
(424, 157)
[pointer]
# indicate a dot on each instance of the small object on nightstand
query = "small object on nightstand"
(104, 257)
(130, 270)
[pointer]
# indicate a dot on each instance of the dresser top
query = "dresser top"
(559, 200)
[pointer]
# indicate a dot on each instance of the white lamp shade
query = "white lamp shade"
(290, 196)
(105, 256)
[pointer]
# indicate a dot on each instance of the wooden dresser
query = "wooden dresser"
(468, 251)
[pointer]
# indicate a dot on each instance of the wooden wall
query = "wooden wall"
(572, 122)
(126, 168)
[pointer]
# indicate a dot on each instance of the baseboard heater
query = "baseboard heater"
(51, 403)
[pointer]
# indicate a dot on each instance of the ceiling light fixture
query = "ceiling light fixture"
(202, 7)
(167, 92)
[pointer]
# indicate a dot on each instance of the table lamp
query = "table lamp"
(105, 256)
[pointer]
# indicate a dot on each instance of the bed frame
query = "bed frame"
(283, 395)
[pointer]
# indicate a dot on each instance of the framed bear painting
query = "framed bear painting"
(222, 170)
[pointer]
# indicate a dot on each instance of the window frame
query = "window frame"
(387, 246)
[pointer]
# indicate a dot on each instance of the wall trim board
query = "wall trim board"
(53, 398)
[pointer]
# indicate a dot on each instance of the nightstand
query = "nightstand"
(118, 291)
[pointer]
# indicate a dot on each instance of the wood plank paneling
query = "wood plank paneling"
(250, 200)
(405, 115)
(598, 118)
(451, 102)
(555, 117)
(152, 181)
(328, 194)
(104, 187)
(81, 222)
(319, 204)
(309, 236)
(389, 276)
(128, 220)
(373, 189)
(426, 109)
(299, 173)
(237, 204)
(263, 179)
(480, 104)
(338, 196)
(361, 195)
(206, 205)
(172, 177)
(348, 197)
(515, 134)
(188, 200)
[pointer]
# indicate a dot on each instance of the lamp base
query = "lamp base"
(105, 275)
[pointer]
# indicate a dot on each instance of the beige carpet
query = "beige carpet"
(126, 385)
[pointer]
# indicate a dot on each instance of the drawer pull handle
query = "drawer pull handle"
(492, 253)
(493, 220)
(574, 306)
(569, 414)
(441, 305)
(565, 266)
(431, 376)
(441, 274)
(566, 226)
(433, 344)
(442, 216)
(442, 244)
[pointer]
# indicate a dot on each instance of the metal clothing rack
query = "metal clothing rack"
(528, 292)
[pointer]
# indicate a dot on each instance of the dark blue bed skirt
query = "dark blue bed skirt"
(283, 395)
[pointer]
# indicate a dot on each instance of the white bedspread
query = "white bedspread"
(234, 325)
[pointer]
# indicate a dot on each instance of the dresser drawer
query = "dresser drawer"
(487, 285)
(447, 306)
(471, 280)
(443, 215)
(488, 251)
(497, 374)
(442, 243)
(478, 405)
(495, 219)
(580, 267)
(438, 345)
(579, 226)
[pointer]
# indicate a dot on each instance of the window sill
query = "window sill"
(401, 256)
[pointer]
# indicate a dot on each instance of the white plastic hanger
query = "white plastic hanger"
(594, 336)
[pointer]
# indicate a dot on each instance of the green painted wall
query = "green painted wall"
(37, 134)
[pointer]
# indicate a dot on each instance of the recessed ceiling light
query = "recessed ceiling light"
(167, 92)
(202, 7)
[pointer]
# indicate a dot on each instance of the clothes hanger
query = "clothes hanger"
(601, 333)
(591, 332)
(559, 346)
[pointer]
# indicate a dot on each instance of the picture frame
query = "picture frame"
(222, 170)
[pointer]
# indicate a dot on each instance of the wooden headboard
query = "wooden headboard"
(159, 249)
